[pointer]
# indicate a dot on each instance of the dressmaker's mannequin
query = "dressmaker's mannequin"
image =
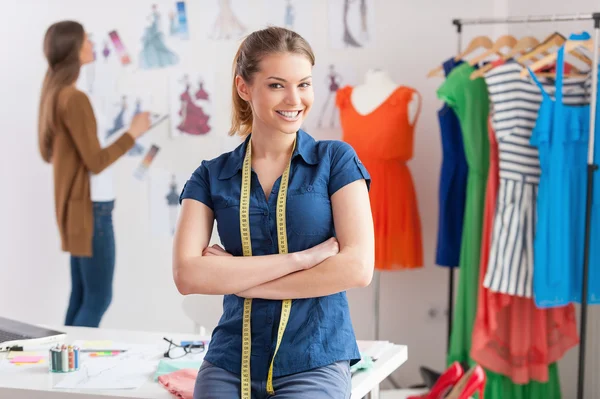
(376, 89)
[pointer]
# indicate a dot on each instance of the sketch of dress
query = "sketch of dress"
(334, 80)
(119, 121)
(349, 40)
(119, 124)
(363, 20)
(290, 15)
(173, 203)
(193, 119)
(105, 51)
(227, 25)
(155, 53)
(173, 25)
(201, 94)
(137, 149)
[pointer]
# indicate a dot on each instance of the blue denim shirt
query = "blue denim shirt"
(319, 331)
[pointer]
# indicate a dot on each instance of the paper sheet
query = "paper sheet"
(129, 370)
(164, 193)
(327, 80)
(191, 100)
(351, 23)
(374, 349)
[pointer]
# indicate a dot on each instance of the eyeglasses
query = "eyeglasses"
(177, 351)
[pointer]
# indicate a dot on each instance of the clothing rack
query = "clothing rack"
(591, 167)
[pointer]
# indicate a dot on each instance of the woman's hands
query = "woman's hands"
(313, 256)
(139, 124)
(307, 259)
(215, 250)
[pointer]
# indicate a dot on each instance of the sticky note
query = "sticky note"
(97, 344)
(13, 354)
(26, 359)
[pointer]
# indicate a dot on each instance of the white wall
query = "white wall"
(412, 37)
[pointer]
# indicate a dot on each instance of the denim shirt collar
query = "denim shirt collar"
(305, 148)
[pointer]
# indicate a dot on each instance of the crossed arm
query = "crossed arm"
(287, 276)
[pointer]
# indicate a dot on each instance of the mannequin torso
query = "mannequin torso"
(378, 87)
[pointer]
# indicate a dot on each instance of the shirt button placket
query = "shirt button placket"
(269, 328)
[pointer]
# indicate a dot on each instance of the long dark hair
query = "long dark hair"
(257, 45)
(62, 44)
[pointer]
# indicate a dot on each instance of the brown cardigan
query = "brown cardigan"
(76, 152)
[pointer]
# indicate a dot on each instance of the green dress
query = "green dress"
(469, 100)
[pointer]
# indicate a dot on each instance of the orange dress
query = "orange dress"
(383, 140)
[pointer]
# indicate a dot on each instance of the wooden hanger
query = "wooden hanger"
(475, 44)
(524, 44)
(554, 40)
(503, 41)
(571, 46)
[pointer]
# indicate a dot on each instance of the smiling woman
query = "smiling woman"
(294, 217)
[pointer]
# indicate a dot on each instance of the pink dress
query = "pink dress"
(511, 336)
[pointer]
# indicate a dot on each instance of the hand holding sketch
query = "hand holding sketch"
(139, 124)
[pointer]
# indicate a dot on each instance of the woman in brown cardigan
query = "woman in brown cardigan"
(68, 139)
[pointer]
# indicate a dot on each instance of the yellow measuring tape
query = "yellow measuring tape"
(286, 305)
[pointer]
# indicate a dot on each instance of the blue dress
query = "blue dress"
(453, 184)
(561, 134)
(155, 53)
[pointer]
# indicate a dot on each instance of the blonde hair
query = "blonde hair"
(257, 45)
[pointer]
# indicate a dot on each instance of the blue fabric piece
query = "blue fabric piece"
(92, 277)
(453, 184)
(319, 331)
(562, 136)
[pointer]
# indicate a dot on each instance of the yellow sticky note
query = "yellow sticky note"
(97, 344)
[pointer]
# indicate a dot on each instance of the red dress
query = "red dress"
(195, 121)
(511, 336)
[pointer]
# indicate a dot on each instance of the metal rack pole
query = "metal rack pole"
(588, 209)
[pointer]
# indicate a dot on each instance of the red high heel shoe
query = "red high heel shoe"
(444, 384)
(472, 381)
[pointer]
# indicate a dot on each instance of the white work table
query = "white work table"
(36, 382)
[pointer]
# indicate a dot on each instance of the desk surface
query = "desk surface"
(36, 382)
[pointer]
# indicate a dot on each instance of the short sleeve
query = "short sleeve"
(198, 187)
(346, 168)
(446, 91)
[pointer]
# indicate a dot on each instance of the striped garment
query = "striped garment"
(515, 102)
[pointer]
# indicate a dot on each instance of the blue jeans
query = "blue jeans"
(92, 277)
(329, 382)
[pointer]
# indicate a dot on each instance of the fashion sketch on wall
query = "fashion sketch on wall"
(327, 80)
(351, 23)
(155, 53)
(328, 112)
(227, 24)
(164, 190)
(191, 102)
(121, 113)
(178, 21)
(296, 15)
